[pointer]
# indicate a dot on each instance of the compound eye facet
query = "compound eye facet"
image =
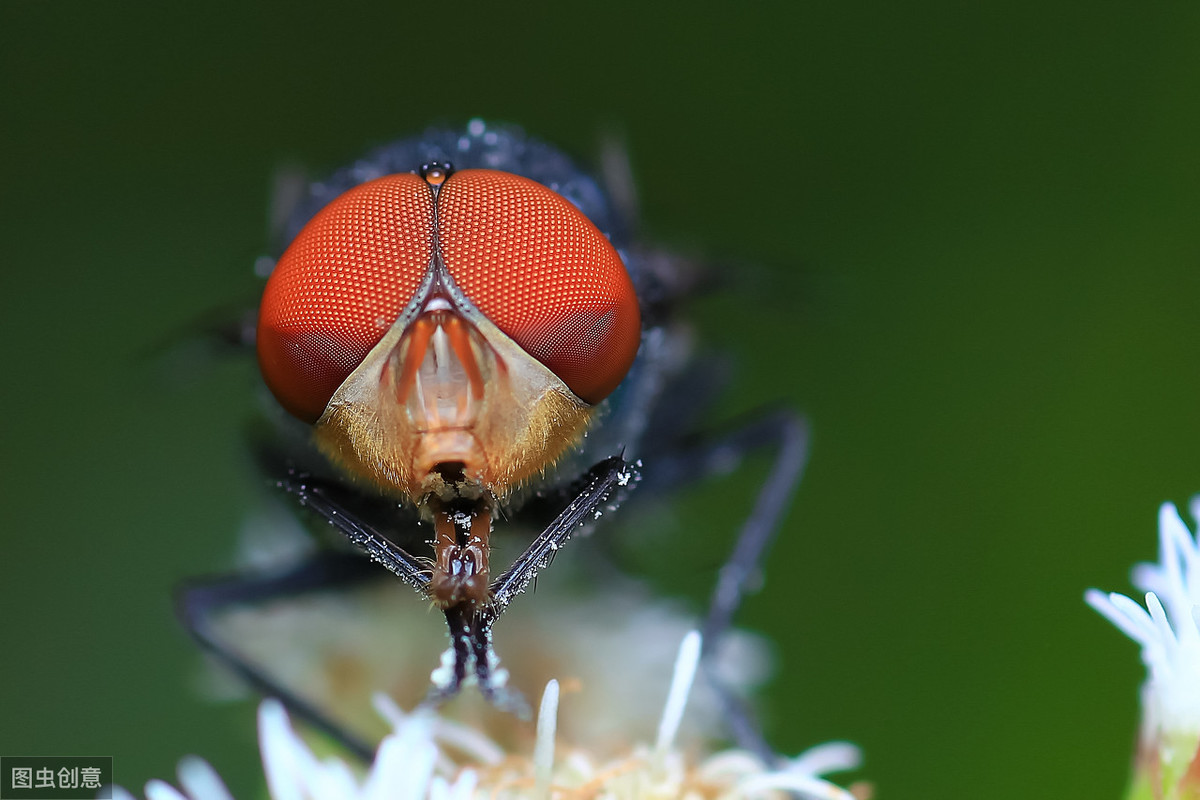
(340, 286)
(541, 271)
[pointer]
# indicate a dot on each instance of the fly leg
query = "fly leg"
(787, 434)
(790, 435)
(198, 602)
(378, 547)
(601, 489)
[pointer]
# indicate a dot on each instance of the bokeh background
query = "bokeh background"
(964, 241)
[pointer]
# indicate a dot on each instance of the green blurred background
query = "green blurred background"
(967, 247)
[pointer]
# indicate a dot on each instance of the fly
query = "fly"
(462, 323)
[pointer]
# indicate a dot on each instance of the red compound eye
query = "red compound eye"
(539, 269)
(339, 287)
(528, 259)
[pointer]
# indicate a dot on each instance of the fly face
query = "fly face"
(448, 334)
(450, 322)
(460, 322)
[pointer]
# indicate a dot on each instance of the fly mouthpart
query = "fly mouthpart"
(460, 573)
(450, 481)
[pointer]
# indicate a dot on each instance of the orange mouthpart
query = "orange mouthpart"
(461, 569)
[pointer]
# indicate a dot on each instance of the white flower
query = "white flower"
(1168, 630)
(426, 757)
